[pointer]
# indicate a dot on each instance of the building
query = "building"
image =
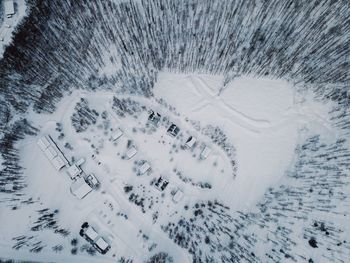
(101, 245)
(144, 168)
(80, 188)
(9, 8)
(154, 118)
(161, 184)
(89, 233)
(74, 171)
(205, 152)
(52, 152)
(131, 151)
(119, 133)
(173, 130)
(178, 196)
(190, 142)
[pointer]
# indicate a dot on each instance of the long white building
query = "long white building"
(52, 152)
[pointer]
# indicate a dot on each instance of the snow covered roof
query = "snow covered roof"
(43, 142)
(58, 162)
(190, 142)
(173, 130)
(9, 7)
(205, 153)
(73, 171)
(117, 134)
(91, 233)
(52, 152)
(102, 244)
(131, 152)
(144, 168)
(178, 196)
(80, 188)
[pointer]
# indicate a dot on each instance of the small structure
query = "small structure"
(52, 152)
(178, 196)
(144, 168)
(161, 184)
(173, 130)
(89, 233)
(80, 188)
(9, 8)
(74, 171)
(154, 117)
(92, 181)
(190, 142)
(205, 152)
(119, 133)
(101, 245)
(131, 151)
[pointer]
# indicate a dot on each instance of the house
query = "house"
(52, 152)
(90, 234)
(80, 188)
(161, 184)
(173, 130)
(144, 168)
(154, 118)
(131, 151)
(205, 152)
(9, 8)
(178, 196)
(119, 133)
(101, 245)
(190, 142)
(74, 171)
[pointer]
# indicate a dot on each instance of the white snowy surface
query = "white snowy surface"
(262, 123)
(9, 24)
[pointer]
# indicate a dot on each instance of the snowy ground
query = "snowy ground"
(261, 118)
(9, 24)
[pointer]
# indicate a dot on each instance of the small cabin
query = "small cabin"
(173, 130)
(131, 151)
(190, 142)
(178, 196)
(161, 183)
(205, 152)
(144, 168)
(154, 118)
(118, 133)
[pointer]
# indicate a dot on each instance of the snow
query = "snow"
(9, 25)
(262, 118)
